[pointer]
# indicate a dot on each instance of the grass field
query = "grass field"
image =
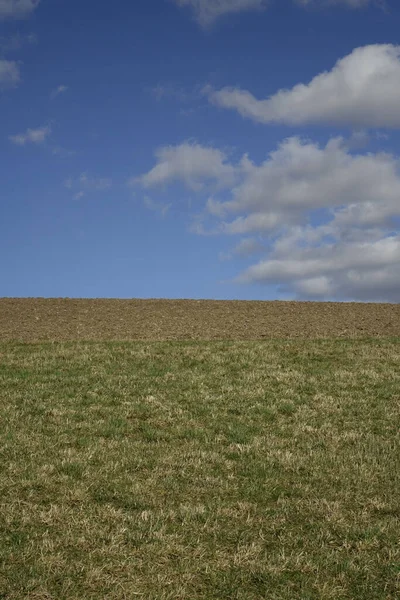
(200, 470)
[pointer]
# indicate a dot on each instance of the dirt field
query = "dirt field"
(200, 471)
(65, 319)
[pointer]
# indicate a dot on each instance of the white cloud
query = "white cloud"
(329, 218)
(86, 183)
(365, 270)
(208, 11)
(192, 164)
(31, 136)
(300, 175)
(247, 247)
(362, 90)
(9, 73)
(353, 253)
(17, 9)
(59, 90)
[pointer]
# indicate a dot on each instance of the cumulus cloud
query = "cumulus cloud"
(328, 217)
(364, 270)
(9, 74)
(362, 90)
(300, 175)
(190, 163)
(31, 136)
(208, 11)
(17, 9)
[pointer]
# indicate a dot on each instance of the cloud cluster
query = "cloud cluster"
(17, 9)
(362, 90)
(31, 136)
(301, 176)
(328, 216)
(324, 218)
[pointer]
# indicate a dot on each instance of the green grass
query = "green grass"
(200, 470)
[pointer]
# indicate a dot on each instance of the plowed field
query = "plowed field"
(30, 319)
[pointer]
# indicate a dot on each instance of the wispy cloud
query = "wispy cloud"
(62, 152)
(17, 9)
(348, 3)
(190, 99)
(157, 207)
(94, 183)
(208, 11)
(61, 89)
(169, 90)
(15, 42)
(31, 136)
(9, 74)
(86, 183)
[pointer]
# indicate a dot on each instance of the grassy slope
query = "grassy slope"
(224, 470)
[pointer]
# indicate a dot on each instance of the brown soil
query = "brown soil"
(31, 319)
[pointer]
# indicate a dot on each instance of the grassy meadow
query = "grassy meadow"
(200, 470)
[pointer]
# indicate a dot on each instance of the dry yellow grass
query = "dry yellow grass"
(221, 470)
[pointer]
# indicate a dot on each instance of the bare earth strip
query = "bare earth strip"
(30, 319)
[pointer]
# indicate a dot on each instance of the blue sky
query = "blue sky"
(200, 149)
